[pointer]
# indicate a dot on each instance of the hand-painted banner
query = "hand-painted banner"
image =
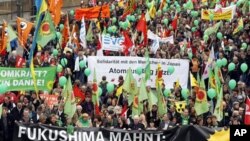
(41, 132)
(93, 12)
(50, 99)
(226, 13)
(18, 79)
(113, 67)
(112, 43)
(153, 36)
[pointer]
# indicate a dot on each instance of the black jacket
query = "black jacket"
(6, 131)
(16, 114)
(136, 126)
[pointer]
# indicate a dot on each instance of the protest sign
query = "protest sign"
(50, 99)
(41, 132)
(18, 79)
(112, 43)
(226, 13)
(113, 67)
(153, 36)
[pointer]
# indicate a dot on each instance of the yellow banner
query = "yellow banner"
(224, 15)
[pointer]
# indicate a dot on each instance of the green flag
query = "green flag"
(11, 36)
(152, 99)
(217, 80)
(218, 111)
(211, 79)
(142, 91)
(95, 97)
(161, 104)
(212, 29)
(201, 105)
(135, 110)
(142, 95)
(147, 68)
(47, 31)
(190, 5)
(239, 27)
(212, 3)
(70, 104)
(11, 33)
(89, 36)
(104, 30)
(130, 86)
(147, 16)
(1, 110)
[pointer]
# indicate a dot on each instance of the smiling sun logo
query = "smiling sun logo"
(222, 135)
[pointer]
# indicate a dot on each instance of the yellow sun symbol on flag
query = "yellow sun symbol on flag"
(222, 135)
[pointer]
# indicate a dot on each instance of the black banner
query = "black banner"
(38, 132)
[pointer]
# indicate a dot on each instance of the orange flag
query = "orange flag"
(74, 37)
(163, 4)
(4, 38)
(93, 12)
(55, 7)
(23, 28)
(66, 32)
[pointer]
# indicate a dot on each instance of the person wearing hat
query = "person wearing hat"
(84, 121)
(136, 125)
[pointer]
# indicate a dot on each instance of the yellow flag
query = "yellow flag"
(194, 82)
(177, 84)
(239, 26)
(32, 70)
(180, 106)
(119, 91)
(43, 7)
(121, 4)
(152, 10)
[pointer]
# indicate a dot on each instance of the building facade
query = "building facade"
(10, 9)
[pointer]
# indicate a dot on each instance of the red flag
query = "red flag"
(99, 43)
(174, 23)
(142, 26)
(78, 93)
(247, 112)
(127, 43)
(97, 109)
(19, 61)
(124, 110)
(223, 3)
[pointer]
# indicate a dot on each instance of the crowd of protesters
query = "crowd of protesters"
(26, 107)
